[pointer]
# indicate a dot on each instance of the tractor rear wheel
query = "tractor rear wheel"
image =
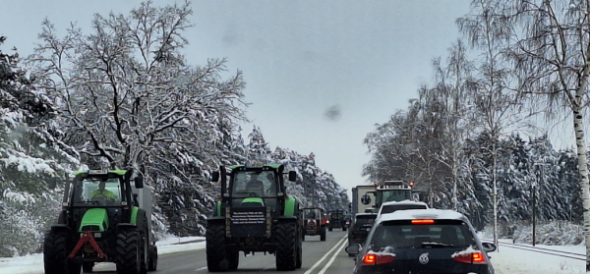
(323, 234)
(286, 253)
(128, 260)
(55, 253)
(215, 248)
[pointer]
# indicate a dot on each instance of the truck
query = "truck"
(363, 197)
(392, 191)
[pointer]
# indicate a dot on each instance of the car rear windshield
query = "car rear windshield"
(365, 219)
(405, 234)
(392, 208)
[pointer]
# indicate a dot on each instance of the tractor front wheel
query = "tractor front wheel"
(215, 248)
(153, 258)
(286, 253)
(233, 257)
(299, 261)
(129, 246)
(55, 254)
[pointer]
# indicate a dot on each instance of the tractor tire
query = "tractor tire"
(215, 248)
(343, 228)
(128, 260)
(286, 253)
(87, 267)
(233, 258)
(55, 253)
(330, 229)
(299, 260)
(153, 258)
(144, 240)
(323, 234)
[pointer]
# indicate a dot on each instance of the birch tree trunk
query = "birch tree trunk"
(495, 194)
(583, 169)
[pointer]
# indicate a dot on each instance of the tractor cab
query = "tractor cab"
(254, 187)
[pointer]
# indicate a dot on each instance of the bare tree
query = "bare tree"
(552, 60)
(487, 31)
(454, 87)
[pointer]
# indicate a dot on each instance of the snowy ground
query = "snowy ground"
(506, 261)
(34, 263)
(517, 261)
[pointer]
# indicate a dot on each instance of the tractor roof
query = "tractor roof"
(115, 171)
(274, 166)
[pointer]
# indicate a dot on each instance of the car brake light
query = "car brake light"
(471, 258)
(422, 221)
(378, 258)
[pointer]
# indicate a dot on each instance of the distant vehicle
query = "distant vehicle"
(390, 207)
(360, 229)
(424, 241)
(337, 220)
(314, 222)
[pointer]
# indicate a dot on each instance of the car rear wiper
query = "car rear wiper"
(435, 244)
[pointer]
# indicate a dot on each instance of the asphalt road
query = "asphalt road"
(319, 257)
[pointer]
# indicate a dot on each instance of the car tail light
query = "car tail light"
(373, 259)
(471, 258)
(423, 221)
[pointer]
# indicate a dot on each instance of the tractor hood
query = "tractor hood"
(95, 220)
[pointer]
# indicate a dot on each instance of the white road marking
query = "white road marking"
(326, 255)
(332, 259)
(201, 268)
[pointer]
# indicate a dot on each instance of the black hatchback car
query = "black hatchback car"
(360, 228)
(423, 241)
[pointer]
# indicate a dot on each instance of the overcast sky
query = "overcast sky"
(299, 58)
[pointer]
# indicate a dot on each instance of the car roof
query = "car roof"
(404, 202)
(365, 214)
(431, 213)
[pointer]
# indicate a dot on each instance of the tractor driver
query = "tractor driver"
(255, 185)
(103, 193)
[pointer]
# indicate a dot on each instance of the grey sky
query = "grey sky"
(299, 58)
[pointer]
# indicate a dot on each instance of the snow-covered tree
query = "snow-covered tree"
(258, 149)
(33, 159)
(550, 56)
(127, 97)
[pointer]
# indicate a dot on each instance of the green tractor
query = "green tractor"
(254, 215)
(104, 218)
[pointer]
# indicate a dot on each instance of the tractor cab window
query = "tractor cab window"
(103, 191)
(254, 184)
(311, 214)
(396, 195)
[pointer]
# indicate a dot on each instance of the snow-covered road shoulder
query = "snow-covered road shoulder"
(33, 263)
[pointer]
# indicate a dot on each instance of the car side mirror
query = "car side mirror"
(488, 247)
(292, 176)
(138, 182)
(353, 249)
(215, 176)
